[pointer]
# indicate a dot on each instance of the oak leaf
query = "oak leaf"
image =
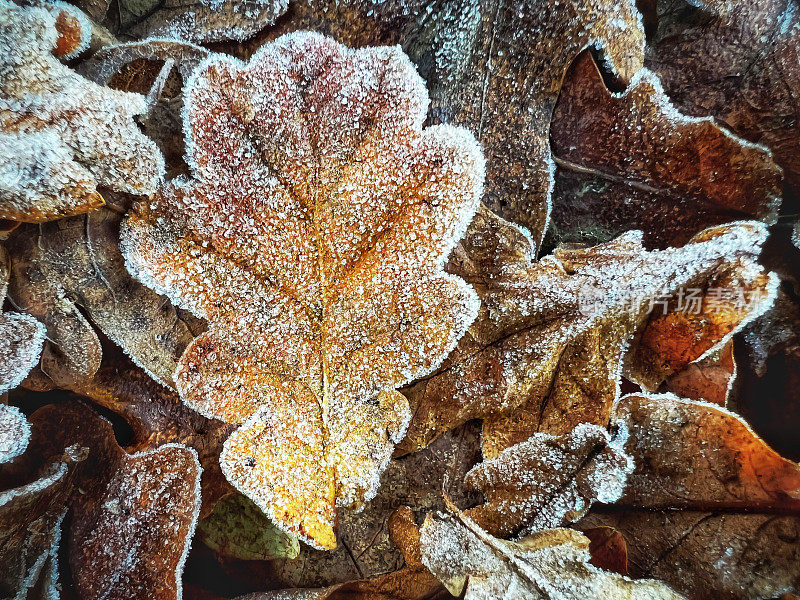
(312, 237)
(550, 564)
(632, 161)
(131, 515)
(708, 497)
(495, 68)
(548, 346)
(62, 135)
(21, 337)
(548, 481)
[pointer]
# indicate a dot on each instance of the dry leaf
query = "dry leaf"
(62, 135)
(710, 379)
(326, 292)
(736, 61)
(131, 515)
(633, 161)
(608, 549)
(494, 68)
(21, 337)
(548, 481)
(202, 22)
(548, 564)
(707, 497)
(71, 276)
(545, 351)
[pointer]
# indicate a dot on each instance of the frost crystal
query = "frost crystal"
(312, 238)
(14, 433)
(60, 134)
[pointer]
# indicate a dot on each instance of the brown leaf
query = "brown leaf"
(633, 161)
(207, 21)
(709, 379)
(545, 351)
(548, 481)
(739, 63)
(548, 564)
(21, 337)
(15, 432)
(707, 497)
(62, 135)
(495, 68)
(326, 292)
(131, 515)
(71, 276)
(608, 549)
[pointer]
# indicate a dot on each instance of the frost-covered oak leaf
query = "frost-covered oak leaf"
(548, 481)
(60, 134)
(548, 565)
(552, 337)
(21, 337)
(312, 237)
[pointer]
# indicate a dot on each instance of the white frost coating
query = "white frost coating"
(21, 341)
(547, 481)
(15, 433)
(550, 565)
(313, 237)
(90, 124)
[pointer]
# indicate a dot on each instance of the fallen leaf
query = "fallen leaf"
(632, 161)
(71, 276)
(737, 62)
(328, 292)
(494, 68)
(707, 497)
(548, 481)
(608, 549)
(548, 564)
(21, 337)
(131, 515)
(237, 528)
(62, 135)
(207, 21)
(545, 352)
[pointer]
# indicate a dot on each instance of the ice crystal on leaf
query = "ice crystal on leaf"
(548, 565)
(14, 432)
(548, 480)
(21, 338)
(312, 237)
(552, 338)
(60, 134)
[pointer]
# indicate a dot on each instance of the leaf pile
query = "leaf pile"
(399, 300)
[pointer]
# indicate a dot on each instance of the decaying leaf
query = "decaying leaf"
(550, 564)
(545, 353)
(206, 21)
(131, 515)
(312, 238)
(707, 497)
(493, 67)
(21, 337)
(62, 135)
(237, 528)
(71, 276)
(736, 61)
(710, 379)
(548, 481)
(14, 432)
(633, 161)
